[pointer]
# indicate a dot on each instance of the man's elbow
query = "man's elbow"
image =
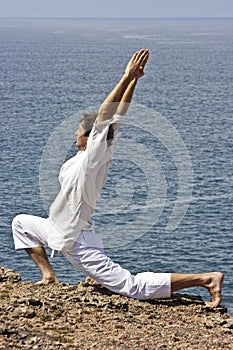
(104, 114)
(107, 111)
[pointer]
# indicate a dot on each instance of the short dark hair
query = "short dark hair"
(88, 121)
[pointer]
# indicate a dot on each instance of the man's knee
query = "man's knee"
(29, 231)
(16, 222)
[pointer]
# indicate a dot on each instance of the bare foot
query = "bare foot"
(48, 279)
(214, 286)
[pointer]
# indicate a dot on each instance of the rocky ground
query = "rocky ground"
(87, 316)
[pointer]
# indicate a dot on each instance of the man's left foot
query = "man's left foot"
(48, 279)
(215, 289)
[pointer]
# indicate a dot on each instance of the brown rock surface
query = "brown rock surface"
(87, 316)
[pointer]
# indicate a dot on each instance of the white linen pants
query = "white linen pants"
(88, 256)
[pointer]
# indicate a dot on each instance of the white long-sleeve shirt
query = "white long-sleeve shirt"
(81, 178)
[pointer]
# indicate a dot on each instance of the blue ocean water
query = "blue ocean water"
(52, 69)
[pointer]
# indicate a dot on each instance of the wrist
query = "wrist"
(127, 76)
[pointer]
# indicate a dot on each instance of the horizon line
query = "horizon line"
(118, 17)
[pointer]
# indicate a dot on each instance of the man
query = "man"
(69, 228)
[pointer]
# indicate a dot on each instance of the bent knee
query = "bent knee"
(17, 222)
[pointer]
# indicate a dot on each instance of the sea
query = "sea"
(167, 203)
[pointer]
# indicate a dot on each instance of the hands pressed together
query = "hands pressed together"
(135, 67)
(117, 102)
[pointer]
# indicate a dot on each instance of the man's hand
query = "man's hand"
(135, 67)
(119, 98)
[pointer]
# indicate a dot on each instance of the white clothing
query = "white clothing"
(81, 178)
(69, 227)
(88, 256)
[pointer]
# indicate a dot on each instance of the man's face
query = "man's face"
(81, 138)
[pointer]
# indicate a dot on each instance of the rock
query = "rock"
(87, 316)
(9, 275)
(25, 312)
(228, 325)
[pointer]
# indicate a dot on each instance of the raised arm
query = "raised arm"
(123, 91)
(126, 99)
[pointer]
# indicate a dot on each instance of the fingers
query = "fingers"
(141, 57)
(139, 53)
(144, 59)
(137, 63)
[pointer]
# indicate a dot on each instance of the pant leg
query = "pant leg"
(89, 257)
(29, 231)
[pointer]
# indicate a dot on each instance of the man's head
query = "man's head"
(85, 126)
(88, 121)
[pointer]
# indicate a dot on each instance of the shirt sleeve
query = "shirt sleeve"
(97, 147)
